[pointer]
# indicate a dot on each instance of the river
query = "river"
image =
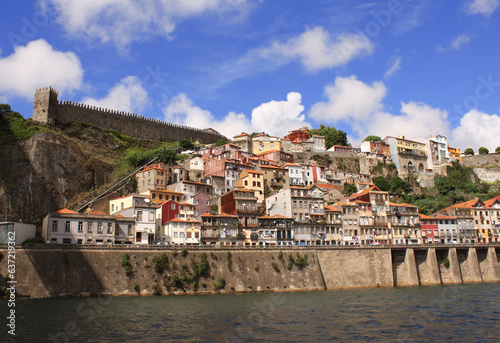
(460, 313)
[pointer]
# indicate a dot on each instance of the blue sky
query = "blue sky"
(417, 68)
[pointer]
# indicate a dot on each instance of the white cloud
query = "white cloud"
(394, 66)
(486, 7)
(128, 95)
(477, 129)
(457, 43)
(360, 105)
(126, 21)
(274, 117)
(37, 65)
(349, 99)
(417, 119)
(316, 50)
(279, 117)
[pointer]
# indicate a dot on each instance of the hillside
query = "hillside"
(45, 168)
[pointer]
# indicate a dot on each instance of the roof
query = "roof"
(97, 213)
(444, 217)
(185, 204)
(179, 220)
(345, 204)
(276, 216)
(491, 201)
(66, 211)
(364, 192)
(423, 216)
(291, 165)
(197, 183)
(241, 135)
(119, 216)
(400, 205)
(332, 208)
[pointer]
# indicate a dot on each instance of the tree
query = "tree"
(382, 183)
(399, 186)
(166, 155)
(372, 139)
(186, 144)
(332, 136)
(483, 151)
(469, 152)
(497, 149)
(221, 141)
(349, 189)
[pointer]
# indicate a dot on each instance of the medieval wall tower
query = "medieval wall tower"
(47, 109)
(45, 105)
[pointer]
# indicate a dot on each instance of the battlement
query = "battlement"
(49, 110)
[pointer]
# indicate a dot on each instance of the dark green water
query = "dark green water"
(461, 313)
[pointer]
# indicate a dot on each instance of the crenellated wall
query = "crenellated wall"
(49, 110)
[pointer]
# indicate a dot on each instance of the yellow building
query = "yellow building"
(455, 153)
(263, 142)
(160, 196)
(406, 145)
(252, 180)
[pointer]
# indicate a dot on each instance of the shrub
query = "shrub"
(175, 253)
(216, 285)
(280, 255)
(184, 252)
(125, 262)
(275, 266)
(212, 255)
(65, 259)
(160, 263)
(137, 288)
(229, 260)
(157, 289)
(446, 262)
(301, 262)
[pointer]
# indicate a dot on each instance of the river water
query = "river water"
(460, 313)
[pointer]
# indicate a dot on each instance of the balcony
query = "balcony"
(247, 211)
(241, 236)
(209, 235)
(254, 237)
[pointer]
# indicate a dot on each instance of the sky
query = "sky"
(385, 68)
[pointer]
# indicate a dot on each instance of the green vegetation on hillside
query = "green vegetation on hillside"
(22, 128)
(332, 136)
(461, 184)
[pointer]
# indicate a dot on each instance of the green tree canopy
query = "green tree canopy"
(186, 144)
(497, 149)
(372, 138)
(483, 151)
(382, 183)
(469, 152)
(332, 136)
(399, 186)
(349, 189)
(221, 141)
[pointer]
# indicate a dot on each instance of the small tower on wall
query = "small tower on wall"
(45, 105)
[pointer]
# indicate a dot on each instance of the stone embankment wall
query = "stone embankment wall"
(46, 272)
(48, 109)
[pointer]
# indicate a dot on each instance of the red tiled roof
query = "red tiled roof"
(66, 211)
(97, 213)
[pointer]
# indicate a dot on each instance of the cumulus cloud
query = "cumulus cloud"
(316, 50)
(416, 119)
(126, 21)
(274, 117)
(394, 66)
(477, 129)
(36, 65)
(128, 95)
(485, 7)
(279, 117)
(457, 43)
(349, 99)
(360, 105)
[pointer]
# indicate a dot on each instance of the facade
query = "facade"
(447, 228)
(277, 156)
(429, 229)
(17, 232)
(180, 231)
(275, 230)
(340, 148)
(70, 227)
(144, 212)
(243, 204)
(455, 154)
(275, 178)
(160, 196)
(190, 189)
(407, 155)
(201, 203)
(244, 141)
(295, 174)
(379, 149)
(155, 176)
(263, 143)
(252, 180)
(437, 151)
(219, 229)
(404, 224)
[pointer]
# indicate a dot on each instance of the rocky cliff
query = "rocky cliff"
(54, 168)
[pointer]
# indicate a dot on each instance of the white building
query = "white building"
(182, 231)
(144, 212)
(70, 227)
(19, 231)
(295, 174)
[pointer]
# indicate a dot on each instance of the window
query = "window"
(153, 196)
(138, 237)
(172, 207)
(160, 196)
(130, 230)
(89, 227)
(139, 216)
(54, 226)
(176, 234)
(80, 227)
(99, 227)
(207, 202)
(66, 240)
(122, 206)
(110, 228)
(151, 216)
(79, 241)
(112, 207)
